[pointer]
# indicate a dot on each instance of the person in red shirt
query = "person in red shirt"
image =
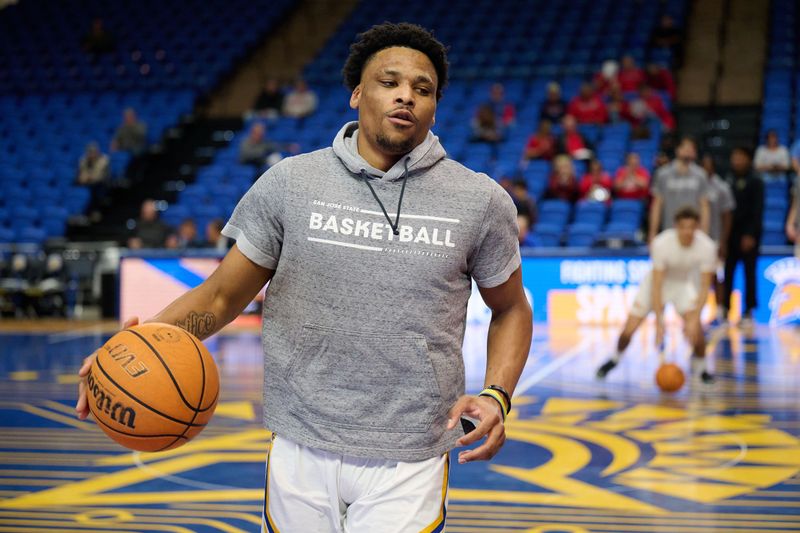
(572, 142)
(632, 181)
(660, 79)
(596, 183)
(606, 78)
(563, 184)
(657, 107)
(630, 76)
(542, 144)
(587, 107)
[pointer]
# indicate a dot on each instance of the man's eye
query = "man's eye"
(424, 91)
(388, 83)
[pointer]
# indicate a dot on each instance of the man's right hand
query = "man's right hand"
(82, 407)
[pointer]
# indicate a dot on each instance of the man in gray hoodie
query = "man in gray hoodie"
(365, 312)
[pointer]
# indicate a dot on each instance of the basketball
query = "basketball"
(669, 377)
(153, 387)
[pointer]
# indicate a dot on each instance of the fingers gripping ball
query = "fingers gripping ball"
(669, 377)
(153, 387)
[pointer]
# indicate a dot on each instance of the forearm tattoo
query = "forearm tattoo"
(199, 324)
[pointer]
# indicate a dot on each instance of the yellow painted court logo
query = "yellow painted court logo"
(784, 304)
(697, 458)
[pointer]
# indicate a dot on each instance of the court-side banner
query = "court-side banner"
(585, 290)
(600, 290)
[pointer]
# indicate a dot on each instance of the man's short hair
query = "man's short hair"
(687, 212)
(387, 35)
(746, 150)
(688, 138)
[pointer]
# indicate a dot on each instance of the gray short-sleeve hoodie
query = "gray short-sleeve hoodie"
(362, 327)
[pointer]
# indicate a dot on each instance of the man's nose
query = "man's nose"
(405, 95)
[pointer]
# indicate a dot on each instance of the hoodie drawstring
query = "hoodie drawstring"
(396, 226)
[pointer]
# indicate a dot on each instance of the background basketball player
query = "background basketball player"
(365, 313)
(684, 261)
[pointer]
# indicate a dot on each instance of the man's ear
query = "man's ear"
(355, 97)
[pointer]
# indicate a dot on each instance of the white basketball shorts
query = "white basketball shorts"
(683, 295)
(308, 490)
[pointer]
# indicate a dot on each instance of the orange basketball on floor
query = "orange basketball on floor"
(669, 377)
(153, 387)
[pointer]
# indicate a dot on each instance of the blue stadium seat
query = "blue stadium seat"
(31, 234)
(555, 212)
(580, 235)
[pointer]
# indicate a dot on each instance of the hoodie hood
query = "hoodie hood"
(425, 155)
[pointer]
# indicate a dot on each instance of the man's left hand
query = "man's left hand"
(491, 426)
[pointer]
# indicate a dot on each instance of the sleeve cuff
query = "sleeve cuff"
(502, 276)
(248, 249)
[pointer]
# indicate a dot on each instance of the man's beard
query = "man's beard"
(394, 147)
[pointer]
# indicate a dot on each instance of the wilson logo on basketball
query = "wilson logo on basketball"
(103, 401)
(127, 360)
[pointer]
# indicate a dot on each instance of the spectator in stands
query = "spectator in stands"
(487, 128)
(269, 102)
(660, 78)
(632, 181)
(630, 76)
(656, 106)
(524, 224)
(93, 168)
(563, 184)
(553, 108)
(666, 35)
(587, 107)
(618, 108)
(185, 237)
(542, 144)
(504, 110)
(745, 235)
(793, 220)
(606, 78)
(523, 200)
(214, 237)
(772, 158)
(680, 183)
(300, 102)
(131, 135)
(639, 115)
(721, 205)
(257, 150)
(150, 230)
(572, 141)
(99, 40)
(596, 183)
(647, 106)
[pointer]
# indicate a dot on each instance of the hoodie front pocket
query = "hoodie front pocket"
(364, 380)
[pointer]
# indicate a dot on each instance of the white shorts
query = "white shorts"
(308, 490)
(683, 295)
